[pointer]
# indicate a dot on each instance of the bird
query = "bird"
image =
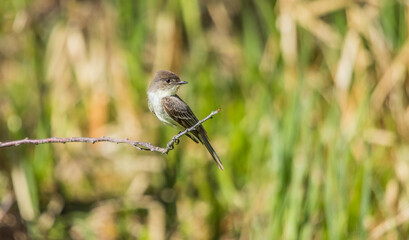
(170, 109)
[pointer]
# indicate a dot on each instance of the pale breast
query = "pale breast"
(155, 105)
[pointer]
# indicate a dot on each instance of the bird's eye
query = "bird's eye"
(168, 80)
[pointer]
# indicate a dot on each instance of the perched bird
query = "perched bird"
(170, 109)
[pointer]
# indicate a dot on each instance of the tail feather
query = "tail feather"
(209, 147)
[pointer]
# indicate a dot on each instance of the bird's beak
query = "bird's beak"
(181, 82)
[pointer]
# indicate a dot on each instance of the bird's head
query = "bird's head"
(166, 81)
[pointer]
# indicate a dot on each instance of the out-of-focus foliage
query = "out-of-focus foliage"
(313, 132)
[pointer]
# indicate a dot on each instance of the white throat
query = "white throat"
(160, 93)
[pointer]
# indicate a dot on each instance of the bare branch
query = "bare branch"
(138, 145)
(175, 138)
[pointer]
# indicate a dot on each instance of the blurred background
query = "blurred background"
(313, 132)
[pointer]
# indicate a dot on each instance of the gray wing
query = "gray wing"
(179, 111)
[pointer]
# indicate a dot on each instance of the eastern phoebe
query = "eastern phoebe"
(173, 111)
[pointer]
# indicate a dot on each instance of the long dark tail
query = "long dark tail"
(205, 141)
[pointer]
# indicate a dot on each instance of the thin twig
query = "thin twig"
(138, 145)
(175, 138)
